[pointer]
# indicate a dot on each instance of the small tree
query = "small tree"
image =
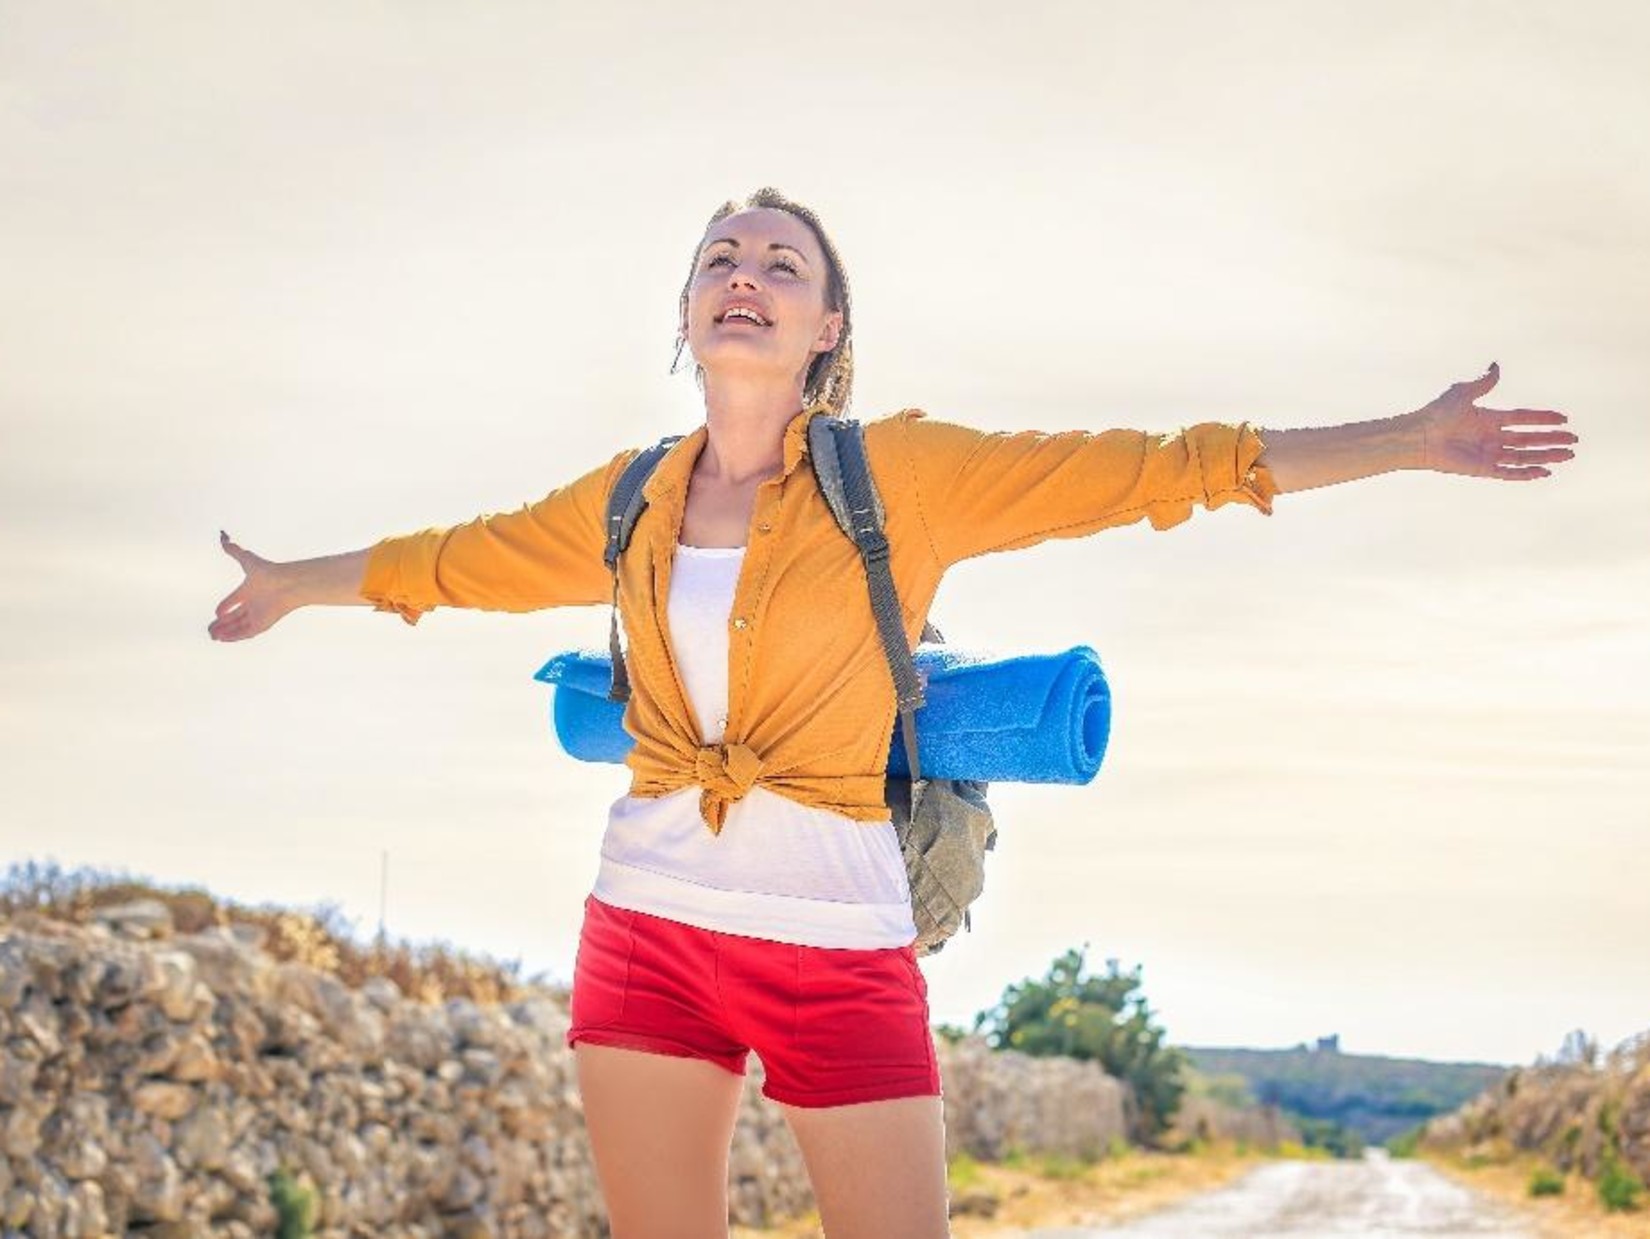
(1103, 1018)
(1580, 1049)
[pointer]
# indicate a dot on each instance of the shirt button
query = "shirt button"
(764, 527)
(723, 721)
(740, 622)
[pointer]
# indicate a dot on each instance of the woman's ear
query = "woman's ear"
(831, 332)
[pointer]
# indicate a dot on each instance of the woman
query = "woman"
(751, 893)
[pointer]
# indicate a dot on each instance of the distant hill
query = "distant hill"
(1369, 1097)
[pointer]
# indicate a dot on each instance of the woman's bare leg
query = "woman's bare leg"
(660, 1128)
(877, 1168)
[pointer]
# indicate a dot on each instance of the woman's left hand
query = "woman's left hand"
(1458, 437)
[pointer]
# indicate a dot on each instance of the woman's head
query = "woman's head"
(772, 254)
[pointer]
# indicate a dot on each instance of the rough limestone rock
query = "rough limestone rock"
(152, 1082)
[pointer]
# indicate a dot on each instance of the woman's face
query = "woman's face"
(768, 260)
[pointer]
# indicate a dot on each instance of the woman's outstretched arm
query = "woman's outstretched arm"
(543, 554)
(271, 589)
(1450, 435)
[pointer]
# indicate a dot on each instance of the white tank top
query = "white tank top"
(779, 870)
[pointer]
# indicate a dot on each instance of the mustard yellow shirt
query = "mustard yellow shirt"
(811, 706)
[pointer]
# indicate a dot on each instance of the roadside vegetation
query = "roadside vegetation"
(320, 937)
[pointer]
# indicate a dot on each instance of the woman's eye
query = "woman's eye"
(784, 263)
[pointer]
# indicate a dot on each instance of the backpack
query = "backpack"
(944, 826)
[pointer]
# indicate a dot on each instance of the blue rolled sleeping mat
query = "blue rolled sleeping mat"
(1020, 718)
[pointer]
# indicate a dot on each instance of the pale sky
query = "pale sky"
(1380, 764)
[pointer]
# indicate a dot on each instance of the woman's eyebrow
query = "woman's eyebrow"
(773, 245)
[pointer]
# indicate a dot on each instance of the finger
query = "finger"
(1529, 417)
(1534, 457)
(230, 602)
(1542, 438)
(226, 627)
(1515, 473)
(234, 549)
(1474, 388)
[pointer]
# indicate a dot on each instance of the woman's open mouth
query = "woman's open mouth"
(745, 315)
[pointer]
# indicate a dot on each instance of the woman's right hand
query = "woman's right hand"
(256, 603)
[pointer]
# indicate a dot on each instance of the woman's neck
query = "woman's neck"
(746, 431)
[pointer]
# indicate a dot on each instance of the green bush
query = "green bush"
(963, 1171)
(1618, 1187)
(1105, 1019)
(1338, 1139)
(1606, 1118)
(1293, 1150)
(1568, 1141)
(1545, 1181)
(1406, 1143)
(1059, 1166)
(294, 1206)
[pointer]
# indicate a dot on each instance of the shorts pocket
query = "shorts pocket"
(862, 1015)
(601, 970)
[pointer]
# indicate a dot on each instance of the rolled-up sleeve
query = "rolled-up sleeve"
(983, 491)
(543, 554)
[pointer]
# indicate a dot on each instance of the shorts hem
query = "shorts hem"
(921, 1086)
(651, 1045)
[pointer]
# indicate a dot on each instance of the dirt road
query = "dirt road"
(1376, 1198)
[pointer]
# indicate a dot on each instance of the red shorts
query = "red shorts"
(832, 1026)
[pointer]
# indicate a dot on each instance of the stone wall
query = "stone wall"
(150, 1083)
(1204, 1118)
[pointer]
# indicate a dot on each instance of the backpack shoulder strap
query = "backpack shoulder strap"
(626, 503)
(825, 433)
(828, 467)
(836, 446)
(624, 506)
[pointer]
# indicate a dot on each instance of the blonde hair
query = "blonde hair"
(830, 377)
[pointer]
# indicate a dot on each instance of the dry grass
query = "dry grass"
(1574, 1214)
(1033, 1194)
(320, 937)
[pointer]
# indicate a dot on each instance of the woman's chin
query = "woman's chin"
(736, 344)
(743, 360)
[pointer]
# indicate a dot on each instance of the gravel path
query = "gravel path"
(1376, 1197)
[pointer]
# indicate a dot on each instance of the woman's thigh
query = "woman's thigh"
(845, 1039)
(660, 1078)
(877, 1168)
(660, 1127)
